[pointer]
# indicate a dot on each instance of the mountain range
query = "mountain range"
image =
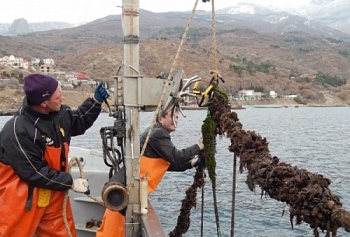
(325, 15)
(257, 47)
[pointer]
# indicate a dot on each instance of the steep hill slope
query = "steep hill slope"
(286, 63)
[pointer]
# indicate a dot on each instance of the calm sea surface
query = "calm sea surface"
(316, 139)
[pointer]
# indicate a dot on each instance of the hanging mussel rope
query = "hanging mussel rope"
(209, 131)
(307, 194)
(183, 220)
(209, 135)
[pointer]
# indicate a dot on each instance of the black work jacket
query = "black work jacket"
(24, 138)
(161, 146)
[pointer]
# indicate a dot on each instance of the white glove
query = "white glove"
(200, 144)
(80, 185)
(194, 161)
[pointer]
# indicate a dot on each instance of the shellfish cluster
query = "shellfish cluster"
(307, 194)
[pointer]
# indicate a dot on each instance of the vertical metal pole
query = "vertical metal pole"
(233, 195)
(131, 94)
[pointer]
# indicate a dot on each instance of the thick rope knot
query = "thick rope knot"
(215, 76)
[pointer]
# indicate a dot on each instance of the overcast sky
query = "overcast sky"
(79, 11)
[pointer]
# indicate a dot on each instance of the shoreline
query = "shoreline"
(10, 112)
(11, 101)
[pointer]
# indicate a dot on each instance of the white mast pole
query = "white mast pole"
(131, 98)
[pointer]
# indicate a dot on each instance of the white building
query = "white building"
(273, 94)
(12, 61)
(35, 61)
(49, 61)
(249, 95)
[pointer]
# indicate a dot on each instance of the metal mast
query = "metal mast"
(131, 83)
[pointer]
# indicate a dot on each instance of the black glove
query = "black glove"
(101, 93)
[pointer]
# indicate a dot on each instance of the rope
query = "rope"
(215, 72)
(182, 227)
(215, 76)
(65, 220)
(218, 231)
(64, 208)
(213, 28)
(82, 176)
(169, 79)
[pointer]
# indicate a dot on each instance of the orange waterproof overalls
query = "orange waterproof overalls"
(44, 217)
(113, 223)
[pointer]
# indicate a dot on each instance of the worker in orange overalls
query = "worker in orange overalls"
(34, 146)
(160, 156)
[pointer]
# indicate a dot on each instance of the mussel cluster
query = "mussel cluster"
(189, 202)
(307, 194)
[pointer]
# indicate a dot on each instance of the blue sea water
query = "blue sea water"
(313, 138)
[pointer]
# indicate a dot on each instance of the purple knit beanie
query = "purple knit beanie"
(39, 88)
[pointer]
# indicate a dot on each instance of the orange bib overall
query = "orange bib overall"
(45, 216)
(113, 223)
